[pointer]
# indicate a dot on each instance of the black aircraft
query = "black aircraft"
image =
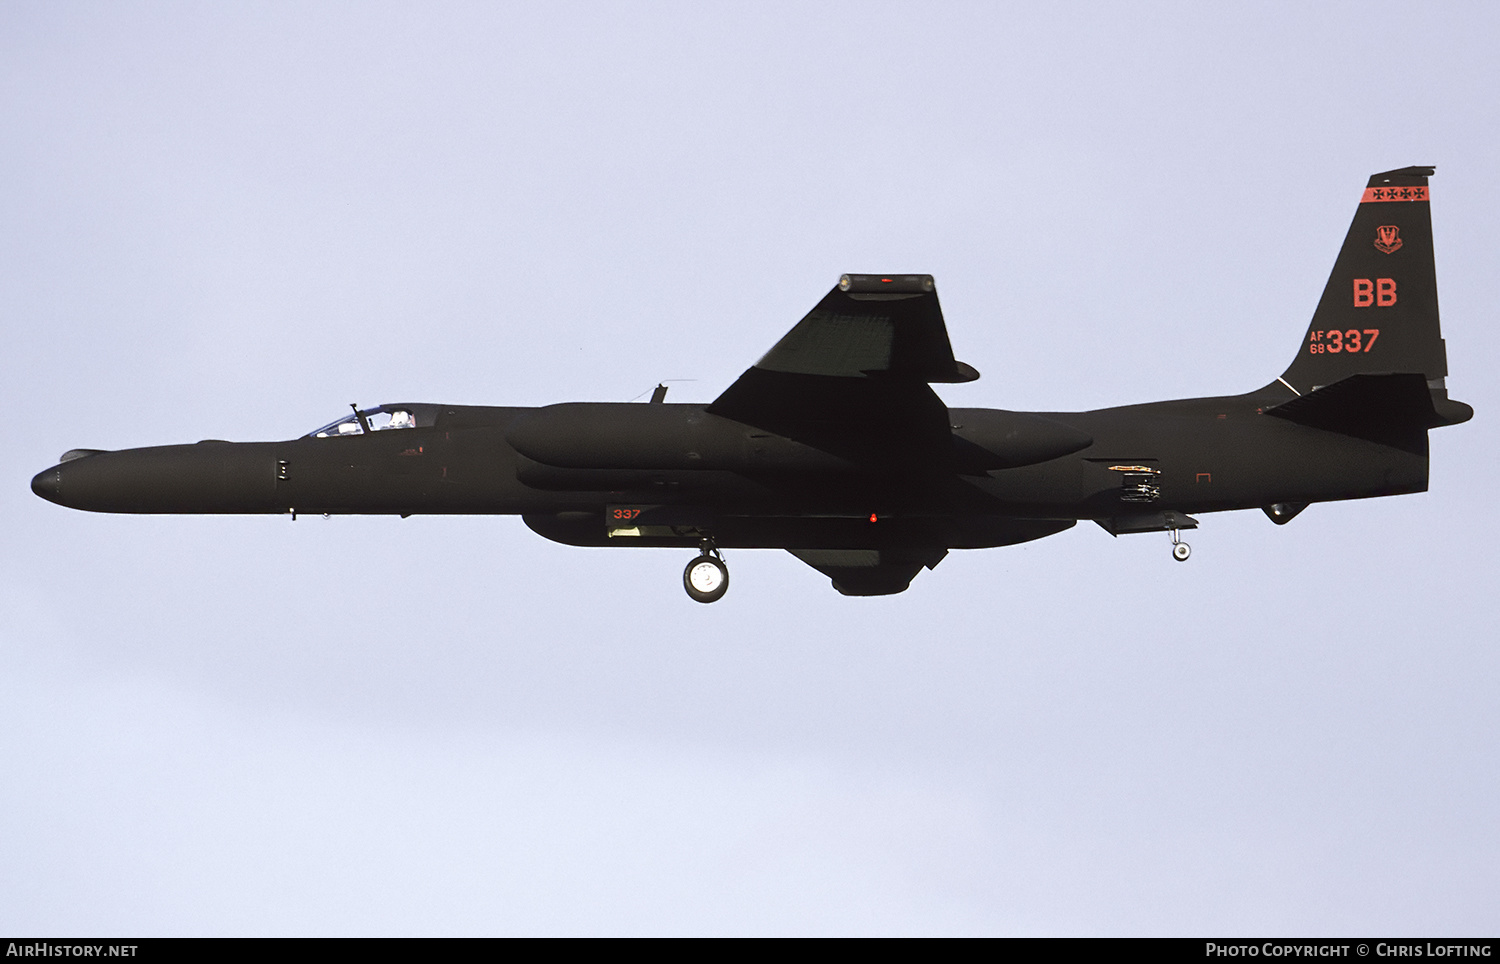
(835, 448)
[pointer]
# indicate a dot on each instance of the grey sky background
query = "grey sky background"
(230, 223)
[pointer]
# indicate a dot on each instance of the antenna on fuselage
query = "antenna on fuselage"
(659, 393)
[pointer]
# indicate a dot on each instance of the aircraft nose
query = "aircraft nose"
(48, 484)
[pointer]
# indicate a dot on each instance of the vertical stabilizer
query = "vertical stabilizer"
(1379, 312)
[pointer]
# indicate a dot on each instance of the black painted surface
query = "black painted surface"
(835, 446)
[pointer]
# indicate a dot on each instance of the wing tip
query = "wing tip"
(896, 284)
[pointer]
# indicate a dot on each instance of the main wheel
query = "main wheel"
(1181, 551)
(706, 579)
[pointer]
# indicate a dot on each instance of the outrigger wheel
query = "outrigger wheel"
(706, 578)
(1180, 550)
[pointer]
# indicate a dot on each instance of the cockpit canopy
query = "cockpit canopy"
(381, 418)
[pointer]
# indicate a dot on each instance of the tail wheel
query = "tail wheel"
(706, 579)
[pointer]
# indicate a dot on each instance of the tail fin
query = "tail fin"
(1379, 312)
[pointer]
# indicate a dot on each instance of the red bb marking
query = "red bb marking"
(1381, 292)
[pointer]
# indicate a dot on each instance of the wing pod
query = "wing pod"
(626, 437)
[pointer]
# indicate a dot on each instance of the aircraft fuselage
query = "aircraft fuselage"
(573, 462)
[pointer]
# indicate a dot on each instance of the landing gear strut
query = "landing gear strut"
(1180, 550)
(706, 578)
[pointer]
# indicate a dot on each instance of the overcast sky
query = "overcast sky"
(221, 222)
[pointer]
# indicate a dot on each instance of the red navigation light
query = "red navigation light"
(872, 517)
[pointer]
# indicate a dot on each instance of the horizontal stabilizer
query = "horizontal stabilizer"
(1393, 409)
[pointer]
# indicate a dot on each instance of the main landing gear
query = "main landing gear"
(706, 578)
(1180, 550)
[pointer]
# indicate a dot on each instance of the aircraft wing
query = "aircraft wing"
(852, 376)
